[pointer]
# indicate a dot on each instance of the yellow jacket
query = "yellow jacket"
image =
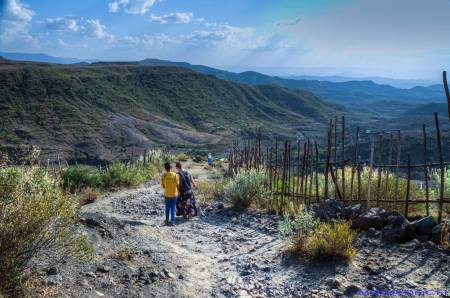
(170, 182)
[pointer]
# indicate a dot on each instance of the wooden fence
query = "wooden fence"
(306, 172)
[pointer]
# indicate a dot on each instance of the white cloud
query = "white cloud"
(66, 23)
(87, 27)
(175, 17)
(18, 11)
(225, 35)
(113, 6)
(14, 26)
(131, 6)
(96, 29)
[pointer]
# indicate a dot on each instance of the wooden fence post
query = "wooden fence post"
(447, 93)
(370, 174)
(317, 171)
(397, 170)
(408, 185)
(327, 162)
(343, 159)
(380, 159)
(425, 169)
(441, 163)
(335, 154)
(388, 170)
(355, 156)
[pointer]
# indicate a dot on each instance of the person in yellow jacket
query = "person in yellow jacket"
(170, 182)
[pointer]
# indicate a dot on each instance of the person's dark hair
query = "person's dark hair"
(167, 166)
(178, 165)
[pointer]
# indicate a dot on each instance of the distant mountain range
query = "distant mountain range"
(347, 93)
(398, 83)
(42, 58)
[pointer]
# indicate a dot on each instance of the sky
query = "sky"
(358, 38)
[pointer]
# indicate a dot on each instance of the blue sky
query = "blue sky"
(391, 38)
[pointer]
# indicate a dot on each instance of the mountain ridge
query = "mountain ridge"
(103, 111)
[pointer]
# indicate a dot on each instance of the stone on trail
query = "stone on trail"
(437, 233)
(424, 226)
(398, 229)
(351, 212)
(332, 283)
(351, 290)
(371, 219)
(103, 268)
(328, 209)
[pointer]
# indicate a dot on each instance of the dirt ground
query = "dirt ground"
(225, 253)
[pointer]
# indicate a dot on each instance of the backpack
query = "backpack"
(185, 182)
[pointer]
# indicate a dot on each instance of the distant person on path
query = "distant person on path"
(170, 182)
(186, 204)
(210, 159)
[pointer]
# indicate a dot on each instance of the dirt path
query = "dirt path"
(224, 254)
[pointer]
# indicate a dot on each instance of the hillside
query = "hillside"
(111, 110)
(346, 93)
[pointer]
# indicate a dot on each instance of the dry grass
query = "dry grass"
(88, 196)
(123, 254)
(181, 157)
(209, 190)
(332, 241)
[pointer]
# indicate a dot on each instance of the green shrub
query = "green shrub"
(247, 188)
(198, 159)
(36, 216)
(332, 240)
(119, 174)
(181, 157)
(298, 230)
(158, 157)
(77, 177)
(303, 223)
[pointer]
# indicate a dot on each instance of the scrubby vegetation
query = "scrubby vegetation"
(247, 188)
(308, 236)
(181, 157)
(36, 216)
(209, 190)
(332, 240)
(77, 178)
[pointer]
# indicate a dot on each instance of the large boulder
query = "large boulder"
(371, 219)
(424, 226)
(440, 232)
(328, 209)
(398, 229)
(351, 212)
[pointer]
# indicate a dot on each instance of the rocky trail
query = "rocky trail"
(224, 253)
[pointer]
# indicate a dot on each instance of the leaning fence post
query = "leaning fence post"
(447, 93)
(370, 175)
(425, 169)
(441, 163)
(408, 185)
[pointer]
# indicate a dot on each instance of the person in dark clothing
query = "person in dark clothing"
(186, 205)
